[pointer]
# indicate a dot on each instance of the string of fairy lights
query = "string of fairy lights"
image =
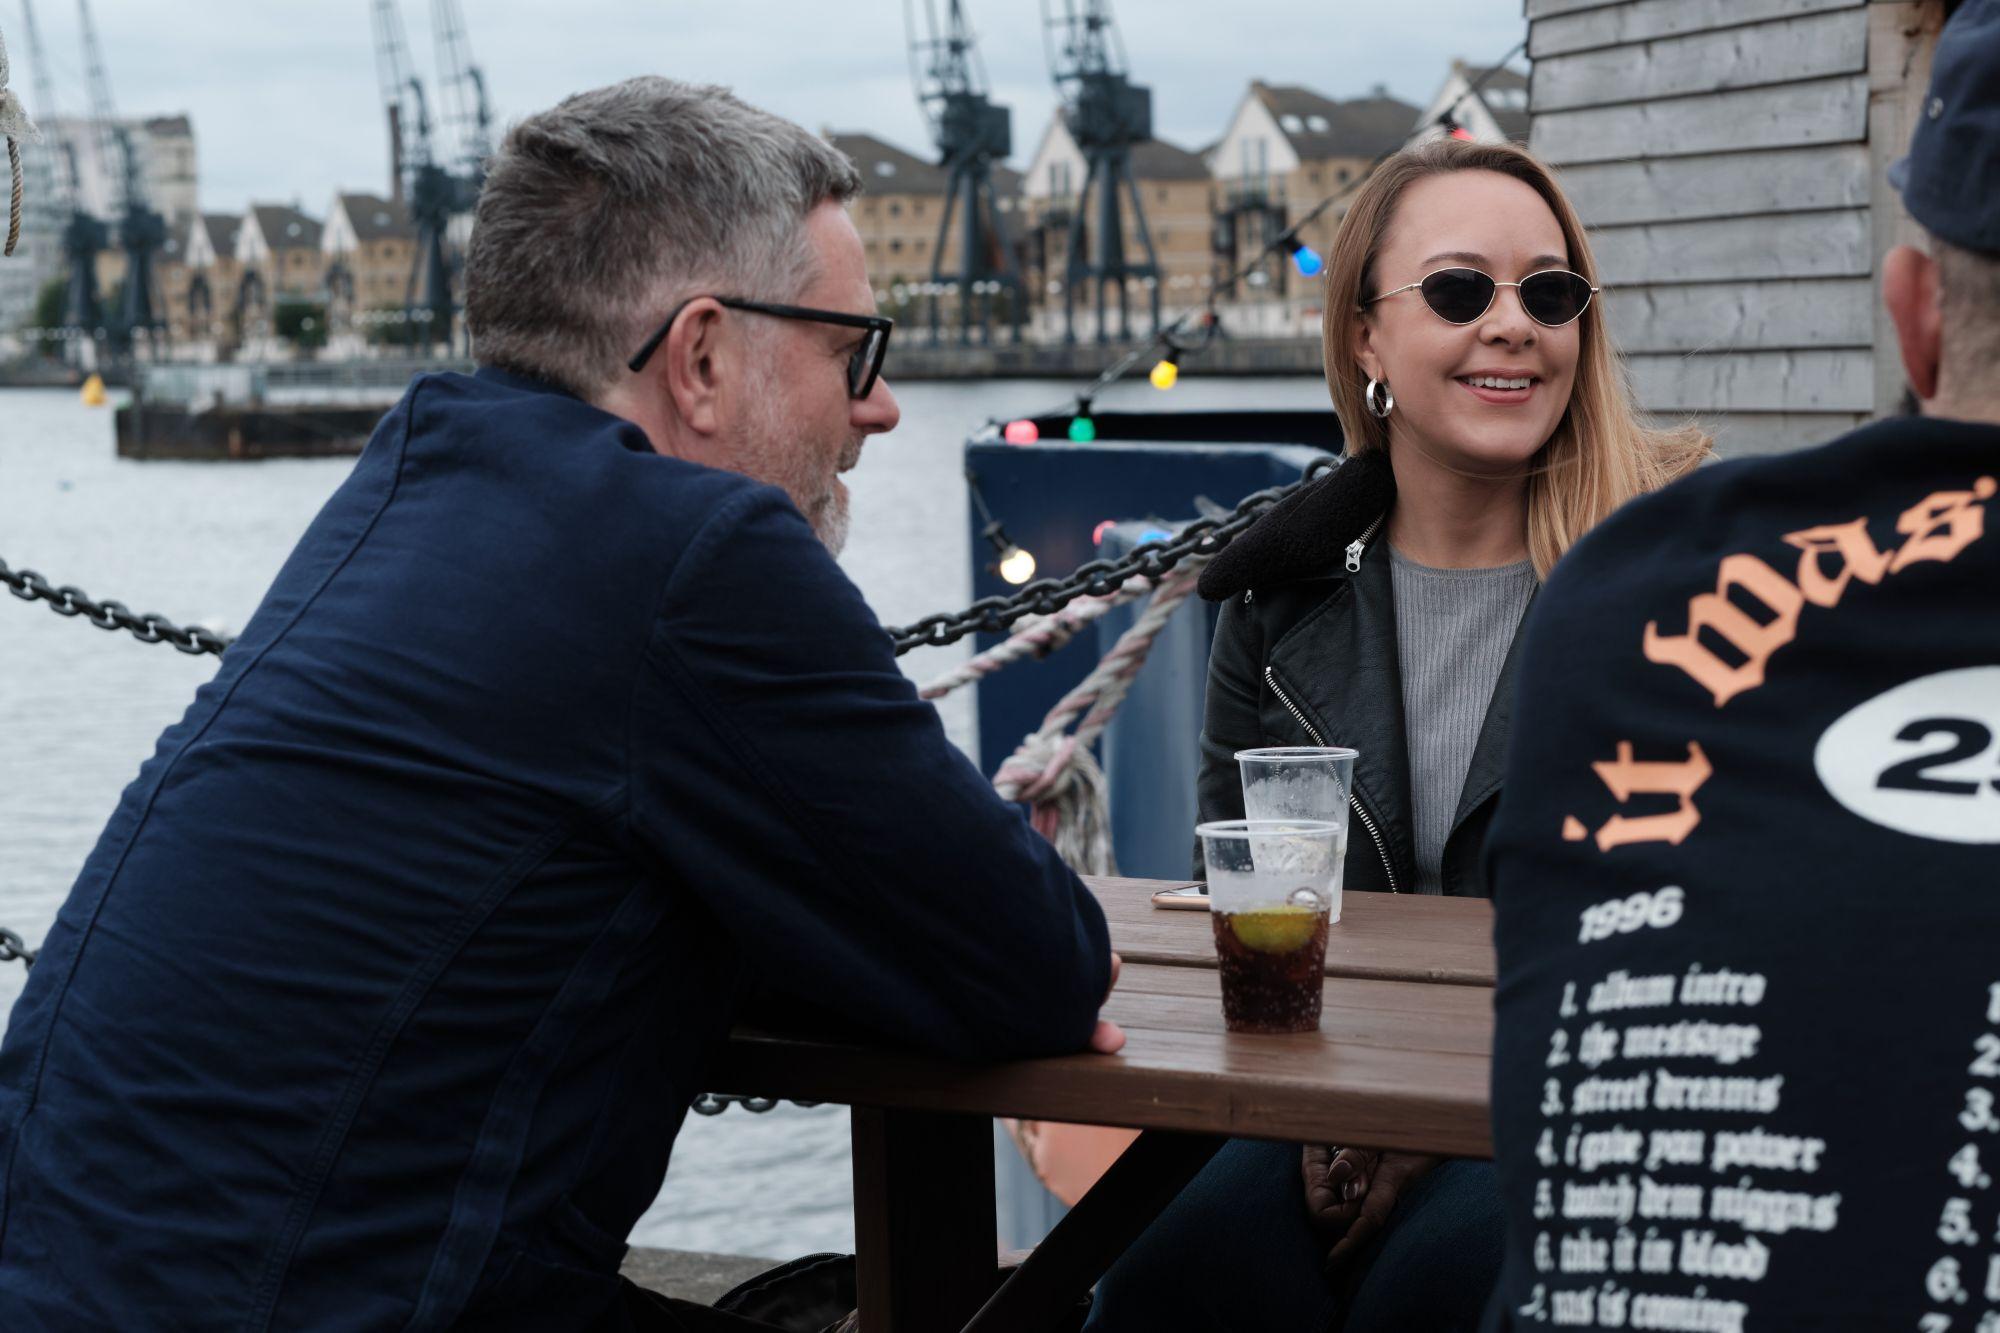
(1191, 333)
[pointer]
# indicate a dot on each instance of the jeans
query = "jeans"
(1237, 1253)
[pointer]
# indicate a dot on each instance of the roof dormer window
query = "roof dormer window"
(1292, 123)
(1318, 124)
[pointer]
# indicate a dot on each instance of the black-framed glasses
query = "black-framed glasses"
(863, 368)
(1554, 296)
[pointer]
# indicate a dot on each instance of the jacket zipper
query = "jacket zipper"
(1374, 834)
(1357, 547)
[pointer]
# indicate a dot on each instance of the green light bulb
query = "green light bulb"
(1082, 430)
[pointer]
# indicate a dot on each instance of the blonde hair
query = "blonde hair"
(1601, 453)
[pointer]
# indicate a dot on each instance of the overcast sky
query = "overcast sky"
(285, 103)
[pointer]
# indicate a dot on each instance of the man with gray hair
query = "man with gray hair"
(381, 999)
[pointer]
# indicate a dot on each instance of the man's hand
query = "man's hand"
(1350, 1194)
(1109, 1036)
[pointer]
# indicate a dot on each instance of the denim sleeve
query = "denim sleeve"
(786, 774)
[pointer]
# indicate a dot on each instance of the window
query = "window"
(895, 245)
(1318, 124)
(1292, 123)
(1160, 194)
(1343, 175)
(895, 209)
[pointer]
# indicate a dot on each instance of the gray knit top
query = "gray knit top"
(1453, 630)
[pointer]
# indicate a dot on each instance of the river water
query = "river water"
(80, 709)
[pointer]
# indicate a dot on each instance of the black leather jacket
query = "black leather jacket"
(1305, 654)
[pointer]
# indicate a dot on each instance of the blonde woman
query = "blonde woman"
(1487, 428)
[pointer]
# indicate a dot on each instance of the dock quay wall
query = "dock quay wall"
(313, 409)
(1001, 360)
(174, 431)
(690, 1276)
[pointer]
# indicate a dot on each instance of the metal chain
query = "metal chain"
(12, 946)
(1097, 578)
(715, 1103)
(988, 615)
(148, 628)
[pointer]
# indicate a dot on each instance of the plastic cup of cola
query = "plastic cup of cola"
(1273, 887)
(1300, 782)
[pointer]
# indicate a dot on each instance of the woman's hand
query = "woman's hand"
(1350, 1194)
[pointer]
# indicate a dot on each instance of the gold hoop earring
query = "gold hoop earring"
(1387, 403)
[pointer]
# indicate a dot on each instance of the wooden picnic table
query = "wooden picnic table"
(1400, 1061)
(1387, 936)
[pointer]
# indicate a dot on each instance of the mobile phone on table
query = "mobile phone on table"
(1190, 897)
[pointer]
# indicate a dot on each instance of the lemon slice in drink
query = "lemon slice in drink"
(1274, 929)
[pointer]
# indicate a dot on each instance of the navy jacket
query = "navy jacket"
(381, 999)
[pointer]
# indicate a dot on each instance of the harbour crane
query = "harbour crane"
(972, 134)
(1107, 115)
(468, 117)
(424, 187)
(83, 235)
(141, 230)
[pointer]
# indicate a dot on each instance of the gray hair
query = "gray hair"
(1969, 283)
(600, 215)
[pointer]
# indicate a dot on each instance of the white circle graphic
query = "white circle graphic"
(1922, 758)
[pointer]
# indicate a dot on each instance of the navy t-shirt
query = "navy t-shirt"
(1747, 882)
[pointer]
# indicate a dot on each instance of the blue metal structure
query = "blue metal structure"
(1144, 471)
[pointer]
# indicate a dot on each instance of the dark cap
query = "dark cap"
(1950, 182)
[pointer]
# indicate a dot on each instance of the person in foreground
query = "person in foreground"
(1486, 429)
(383, 995)
(1747, 869)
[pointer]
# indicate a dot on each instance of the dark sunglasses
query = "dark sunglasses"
(1553, 297)
(863, 368)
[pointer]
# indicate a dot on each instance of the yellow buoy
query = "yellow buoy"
(93, 391)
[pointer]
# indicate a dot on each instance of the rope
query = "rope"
(1037, 637)
(14, 198)
(1054, 770)
(17, 129)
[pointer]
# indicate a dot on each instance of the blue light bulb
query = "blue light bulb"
(1307, 259)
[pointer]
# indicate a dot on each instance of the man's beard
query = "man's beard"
(773, 452)
(829, 518)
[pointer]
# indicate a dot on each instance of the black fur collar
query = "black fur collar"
(1306, 534)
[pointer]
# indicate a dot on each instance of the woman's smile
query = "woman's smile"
(1500, 388)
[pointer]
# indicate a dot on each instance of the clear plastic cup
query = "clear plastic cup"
(1274, 889)
(1301, 782)
(1297, 782)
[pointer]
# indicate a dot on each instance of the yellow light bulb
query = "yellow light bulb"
(1165, 375)
(1016, 565)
